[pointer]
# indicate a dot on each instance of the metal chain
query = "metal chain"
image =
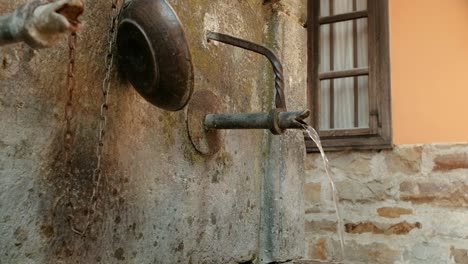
(68, 138)
(105, 89)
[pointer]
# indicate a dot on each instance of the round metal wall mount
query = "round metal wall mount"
(206, 141)
(154, 54)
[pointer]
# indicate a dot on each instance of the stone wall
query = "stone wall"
(406, 205)
(160, 201)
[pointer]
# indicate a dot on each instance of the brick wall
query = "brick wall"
(408, 205)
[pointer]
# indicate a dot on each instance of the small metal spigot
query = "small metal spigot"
(277, 122)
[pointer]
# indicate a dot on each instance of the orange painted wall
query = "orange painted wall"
(429, 64)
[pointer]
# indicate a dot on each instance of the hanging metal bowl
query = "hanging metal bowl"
(154, 54)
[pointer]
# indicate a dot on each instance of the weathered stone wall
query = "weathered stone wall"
(407, 205)
(159, 200)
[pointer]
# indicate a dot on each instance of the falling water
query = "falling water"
(315, 137)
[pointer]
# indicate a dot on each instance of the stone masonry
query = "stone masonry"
(406, 205)
(160, 201)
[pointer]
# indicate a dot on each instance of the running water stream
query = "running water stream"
(315, 137)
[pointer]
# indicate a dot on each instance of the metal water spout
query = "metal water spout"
(277, 122)
(278, 119)
(205, 106)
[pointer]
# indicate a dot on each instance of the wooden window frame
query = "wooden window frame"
(379, 133)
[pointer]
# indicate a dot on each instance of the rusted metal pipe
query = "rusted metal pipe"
(41, 24)
(277, 122)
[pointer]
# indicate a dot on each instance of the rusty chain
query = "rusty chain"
(105, 89)
(68, 137)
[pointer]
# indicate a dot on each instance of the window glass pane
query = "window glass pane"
(363, 101)
(342, 45)
(338, 51)
(324, 102)
(344, 112)
(362, 50)
(325, 60)
(324, 7)
(344, 107)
